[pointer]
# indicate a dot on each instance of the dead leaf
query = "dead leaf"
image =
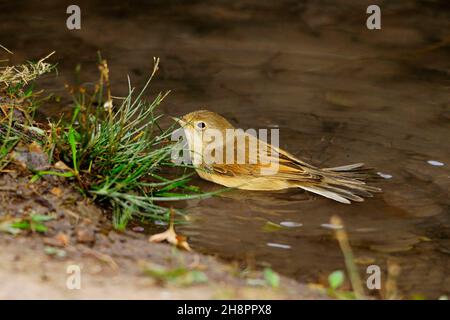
(56, 191)
(61, 166)
(101, 256)
(171, 237)
(63, 238)
(7, 171)
(60, 240)
(34, 147)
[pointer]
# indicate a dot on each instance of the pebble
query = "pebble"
(138, 229)
(85, 236)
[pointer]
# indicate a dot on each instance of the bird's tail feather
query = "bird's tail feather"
(343, 184)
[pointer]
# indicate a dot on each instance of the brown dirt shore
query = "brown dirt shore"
(112, 264)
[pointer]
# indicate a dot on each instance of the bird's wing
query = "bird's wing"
(343, 184)
(263, 159)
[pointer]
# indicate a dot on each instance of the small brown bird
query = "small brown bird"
(343, 184)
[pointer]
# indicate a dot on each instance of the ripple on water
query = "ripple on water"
(413, 201)
(278, 245)
(290, 224)
(384, 175)
(435, 163)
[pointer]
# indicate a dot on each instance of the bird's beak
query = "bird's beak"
(179, 121)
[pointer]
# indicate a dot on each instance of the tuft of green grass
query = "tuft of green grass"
(8, 139)
(113, 148)
(335, 281)
(181, 276)
(118, 153)
(271, 277)
(18, 102)
(34, 222)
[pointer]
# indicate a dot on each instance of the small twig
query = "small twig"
(391, 292)
(344, 244)
(7, 188)
(6, 49)
(102, 257)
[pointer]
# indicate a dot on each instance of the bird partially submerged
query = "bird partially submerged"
(267, 167)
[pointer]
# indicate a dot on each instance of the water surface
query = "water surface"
(338, 92)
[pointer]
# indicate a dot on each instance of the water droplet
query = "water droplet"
(290, 224)
(435, 163)
(384, 175)
(331, 226)
(278, 245)
(160, 223)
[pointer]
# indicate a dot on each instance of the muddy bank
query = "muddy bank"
(112, 265)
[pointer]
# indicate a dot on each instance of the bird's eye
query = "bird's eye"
(201, 125)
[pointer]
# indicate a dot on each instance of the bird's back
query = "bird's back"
(265, 167)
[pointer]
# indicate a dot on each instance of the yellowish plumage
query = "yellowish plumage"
(343, 184)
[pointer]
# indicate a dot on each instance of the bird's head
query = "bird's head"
(196, 123)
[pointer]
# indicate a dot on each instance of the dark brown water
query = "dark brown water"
(338, 92)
